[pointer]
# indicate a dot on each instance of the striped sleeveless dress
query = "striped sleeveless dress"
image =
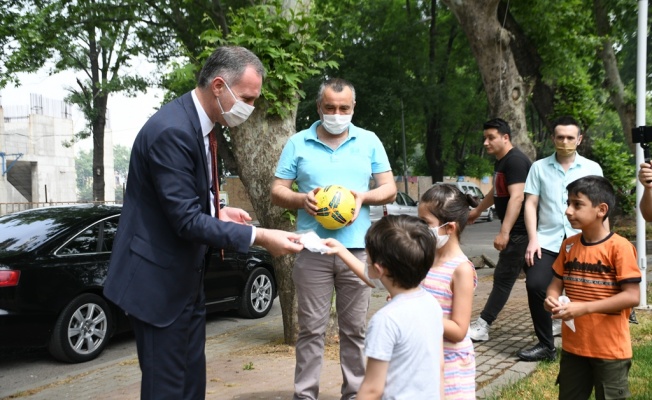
(459, 358)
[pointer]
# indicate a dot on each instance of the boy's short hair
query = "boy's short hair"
(597, 189)
(404, 246)
(500, 125)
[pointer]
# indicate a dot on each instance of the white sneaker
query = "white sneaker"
(556, 327)
(479, 330)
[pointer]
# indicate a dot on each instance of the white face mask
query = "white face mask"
(336, 124)
(441, 239)
(239, 112)
(377, 282)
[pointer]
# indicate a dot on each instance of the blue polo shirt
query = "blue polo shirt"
(548, 180)
(311, 163)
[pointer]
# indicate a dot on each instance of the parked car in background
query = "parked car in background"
(402, 205)
(471, 188)
(53, 264)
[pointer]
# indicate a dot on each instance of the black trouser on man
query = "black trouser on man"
(538, 277)
(511, 261)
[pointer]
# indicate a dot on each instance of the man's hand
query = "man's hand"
(501, 240)
(533, 249)
(310, 202)
(473, 215)
(645, 175)
(278, 242)
(232, 214)
(358, 205)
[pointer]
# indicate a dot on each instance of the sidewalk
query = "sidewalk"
(252, 363)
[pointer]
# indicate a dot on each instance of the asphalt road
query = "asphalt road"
(21, 369)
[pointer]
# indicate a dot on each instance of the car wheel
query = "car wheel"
(258, 295)
(82, 330)
(490, 215)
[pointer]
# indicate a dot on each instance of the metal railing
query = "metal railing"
(8, 208)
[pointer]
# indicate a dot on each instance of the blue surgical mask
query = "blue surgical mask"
(238, 113)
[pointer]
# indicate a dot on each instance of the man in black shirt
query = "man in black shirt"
(510, 171)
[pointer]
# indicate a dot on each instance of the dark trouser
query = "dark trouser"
(510, 263)
(538, 277)
(172, 359)
(579, 375)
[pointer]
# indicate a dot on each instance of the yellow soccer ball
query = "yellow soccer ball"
(336, 205)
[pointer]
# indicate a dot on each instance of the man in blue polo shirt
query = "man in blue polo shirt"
(332, 151)
(547, 225)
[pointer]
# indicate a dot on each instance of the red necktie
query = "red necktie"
(212, 144)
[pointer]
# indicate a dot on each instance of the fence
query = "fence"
(8, 208)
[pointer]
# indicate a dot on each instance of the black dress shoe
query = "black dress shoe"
(538, 353)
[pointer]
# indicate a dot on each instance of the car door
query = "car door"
(224, 278)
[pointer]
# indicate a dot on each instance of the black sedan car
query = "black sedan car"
(53, 263)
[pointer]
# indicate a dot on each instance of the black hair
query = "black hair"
(229, 62)
(403, 245)
(566, 120)
(597, 189)
(500, 125)
(448, 204)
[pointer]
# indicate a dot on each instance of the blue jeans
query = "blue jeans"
(511, 261)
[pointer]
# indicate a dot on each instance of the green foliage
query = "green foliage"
(286, 43)
(84, 169)
(121, 155)
(617, 166)
(477, 167)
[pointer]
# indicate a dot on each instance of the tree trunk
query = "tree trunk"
(99, 125)
(625, 107)
(507, 91)
(257, 146)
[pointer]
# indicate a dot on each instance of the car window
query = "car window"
(478, 193)
(409, 201)
(399, 199)
(97, 238)
(22, 232)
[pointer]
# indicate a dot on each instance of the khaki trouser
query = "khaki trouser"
(315, 275)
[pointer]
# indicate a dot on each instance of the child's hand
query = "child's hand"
(334, 245)
(551, 302)
(569, 311)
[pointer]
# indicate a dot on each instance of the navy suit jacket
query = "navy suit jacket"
(166, 227)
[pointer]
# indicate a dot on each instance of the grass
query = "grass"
(541, 384)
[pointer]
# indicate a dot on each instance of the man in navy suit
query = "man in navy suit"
(168, 224)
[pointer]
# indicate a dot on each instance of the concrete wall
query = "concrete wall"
(45, 161)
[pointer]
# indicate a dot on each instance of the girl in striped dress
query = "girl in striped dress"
(452, 280)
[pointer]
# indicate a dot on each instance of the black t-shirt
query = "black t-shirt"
(511, 169)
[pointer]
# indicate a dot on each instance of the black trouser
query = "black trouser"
(510, 263)
(538, 277)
